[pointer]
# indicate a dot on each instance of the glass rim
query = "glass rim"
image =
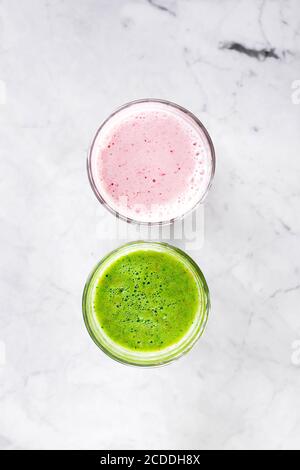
(167, 355)
(100, 197)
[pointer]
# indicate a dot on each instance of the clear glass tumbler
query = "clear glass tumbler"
(149, 358)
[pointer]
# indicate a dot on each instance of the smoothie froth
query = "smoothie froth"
(151, 161)
(146, 303)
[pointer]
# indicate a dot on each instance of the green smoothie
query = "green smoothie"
(146, 299)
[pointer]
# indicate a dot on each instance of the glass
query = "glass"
(139, 358)
(95, 149)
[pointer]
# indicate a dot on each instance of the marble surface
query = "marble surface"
(64, 65)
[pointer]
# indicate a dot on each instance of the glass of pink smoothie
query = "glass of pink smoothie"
(151, 162)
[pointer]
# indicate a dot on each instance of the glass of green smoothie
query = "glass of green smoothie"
(146, 303)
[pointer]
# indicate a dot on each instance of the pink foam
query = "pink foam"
(151, 162)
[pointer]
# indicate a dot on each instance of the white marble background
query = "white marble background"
(64, 65)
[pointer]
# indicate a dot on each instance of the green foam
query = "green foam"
(146, 300)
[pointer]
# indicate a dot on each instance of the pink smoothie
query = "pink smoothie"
(151, 162)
